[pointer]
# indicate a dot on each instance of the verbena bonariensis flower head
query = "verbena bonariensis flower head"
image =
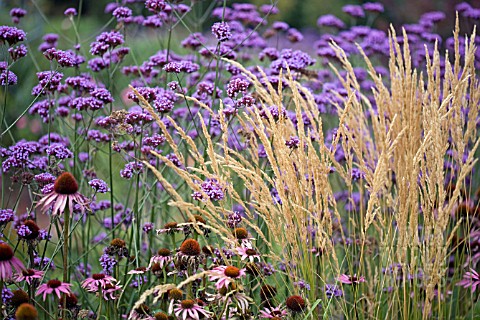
(28, 230)
(11, 35)
(64, 195)
(8, 262)
(16, 14)
(99, 185)
(53, 286)
(221, 31)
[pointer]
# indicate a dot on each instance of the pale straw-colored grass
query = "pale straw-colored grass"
(418, 117)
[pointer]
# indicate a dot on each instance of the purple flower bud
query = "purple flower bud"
(373, 7)
(16, 14)
(280, 26)
(193, 41)
(107, 263)
(293, 35)
(70, 12)
(147, 227)
(354, 10)
(121, 13)
(357, 174)
(234, 219)
(18, 52)
(42, 264)
(182, 66)
(44, 235)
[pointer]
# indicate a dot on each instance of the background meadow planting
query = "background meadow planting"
(222, 160)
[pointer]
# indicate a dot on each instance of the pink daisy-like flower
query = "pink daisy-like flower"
(346, 279)
(53, 286)
(65, 193)
(270, 313)
(8, 262)
(188, 309)
(97, 281)
(163, 258)
(470, 279)
(247, 253)
(110, 290)
(225, 275)
(29, 275)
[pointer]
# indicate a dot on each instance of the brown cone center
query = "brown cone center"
(54, 283)
(65, 184)
(187, 304)
(6, 253)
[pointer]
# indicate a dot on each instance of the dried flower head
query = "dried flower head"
(26, 312)
(267, 292)
(295, 303)
(175, 294)
(240, 233)
(19, 297)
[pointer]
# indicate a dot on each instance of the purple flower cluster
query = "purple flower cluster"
(212, 188)
(16, 14)
(6, 215)
(64, 58)
(59, 151)
(106, 41)
(11, 35)
(221, 31)
(181, 66)
(236, 86)
(99, 185)
(130, 169)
